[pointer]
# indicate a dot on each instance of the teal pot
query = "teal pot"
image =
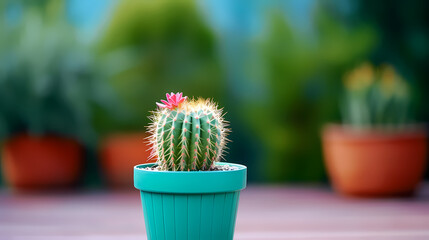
(190, 205)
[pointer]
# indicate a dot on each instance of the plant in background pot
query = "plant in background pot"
(47, 84)
(376, 152)
(188, 194)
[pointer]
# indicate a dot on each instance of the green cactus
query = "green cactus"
(375, 98)
(187, 135)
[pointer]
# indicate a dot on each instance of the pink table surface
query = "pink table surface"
(265, 212)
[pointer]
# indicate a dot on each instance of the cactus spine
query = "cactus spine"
(187, 136)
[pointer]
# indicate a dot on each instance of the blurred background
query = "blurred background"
(81, 77)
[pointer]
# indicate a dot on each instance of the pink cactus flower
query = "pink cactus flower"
(173, 101)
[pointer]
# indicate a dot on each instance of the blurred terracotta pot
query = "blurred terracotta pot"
(31, 162)
(119, 154)
(374, 163)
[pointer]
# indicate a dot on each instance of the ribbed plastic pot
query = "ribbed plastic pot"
(190, 205)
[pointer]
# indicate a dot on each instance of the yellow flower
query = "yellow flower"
(360, 78)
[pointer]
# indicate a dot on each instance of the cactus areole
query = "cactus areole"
(187, 134)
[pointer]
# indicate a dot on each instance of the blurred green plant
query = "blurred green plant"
(156, 47)
(301, 77)
(48, 80)
(403, 29)
(375, 98)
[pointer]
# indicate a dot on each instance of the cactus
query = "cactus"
(187, 135)
(375, 97)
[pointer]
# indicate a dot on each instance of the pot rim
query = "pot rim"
(193, 182)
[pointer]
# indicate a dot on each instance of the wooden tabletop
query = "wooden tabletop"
(265, 212)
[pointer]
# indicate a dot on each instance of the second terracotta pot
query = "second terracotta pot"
(119, 153)
(374, 162)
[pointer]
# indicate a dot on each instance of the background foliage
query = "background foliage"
(88, 69)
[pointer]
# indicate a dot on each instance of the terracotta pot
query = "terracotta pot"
(374, 162)
(31, 162)
(119, 154)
